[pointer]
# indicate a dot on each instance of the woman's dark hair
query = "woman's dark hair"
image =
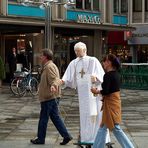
(48, 53)
(114, 60)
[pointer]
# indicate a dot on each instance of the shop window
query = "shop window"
(20, 44)
(122, 52)
(137, 5)
(142, 54)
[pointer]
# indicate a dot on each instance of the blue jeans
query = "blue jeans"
(118, 133)
(50, 109)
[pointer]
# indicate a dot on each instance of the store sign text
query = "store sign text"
(88, 19)
(139, 35)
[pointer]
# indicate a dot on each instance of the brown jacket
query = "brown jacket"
(111, 110)
(50, 76)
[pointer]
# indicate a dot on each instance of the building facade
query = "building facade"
(89, 21)
(138, 41)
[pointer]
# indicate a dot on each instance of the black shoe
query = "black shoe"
(109, 145)
(66, 140)
(88, 146)
(36, 141)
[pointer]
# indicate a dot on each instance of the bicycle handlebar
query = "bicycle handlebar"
(30, 70)
(25, 69)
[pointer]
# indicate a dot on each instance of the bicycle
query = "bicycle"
(25, 81)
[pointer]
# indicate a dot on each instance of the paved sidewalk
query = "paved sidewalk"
(19, 119)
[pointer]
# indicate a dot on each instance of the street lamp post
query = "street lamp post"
(46, 4)
(48, 34)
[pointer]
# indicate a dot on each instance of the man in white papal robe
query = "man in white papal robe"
(80, 74)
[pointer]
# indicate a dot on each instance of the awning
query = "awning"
(109, 27)
(116, 38)
(63, 24)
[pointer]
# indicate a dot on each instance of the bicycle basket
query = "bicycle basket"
(20, 74)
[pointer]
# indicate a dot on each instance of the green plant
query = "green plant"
(2, 69)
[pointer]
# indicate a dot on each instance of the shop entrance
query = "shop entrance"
(23, 54)
(64, 49)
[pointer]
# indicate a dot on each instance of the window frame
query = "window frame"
(123, 11)
(81, 7)
(98, 5)
(91, 5)
(134, 6)
(117, 6)
(146, 5)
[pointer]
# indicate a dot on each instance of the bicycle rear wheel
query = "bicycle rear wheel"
(33, 85)
(14, 85)
(22, 87)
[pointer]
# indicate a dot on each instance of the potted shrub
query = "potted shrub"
(2, 71)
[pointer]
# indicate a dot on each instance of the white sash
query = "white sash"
(84, 85)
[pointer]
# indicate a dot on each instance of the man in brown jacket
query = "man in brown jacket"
(49, 94)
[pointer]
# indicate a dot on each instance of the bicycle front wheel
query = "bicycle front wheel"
(14, 85)
(33, 85)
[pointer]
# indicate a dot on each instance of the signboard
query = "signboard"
(83, 17)
(88, 19)
(139, 36)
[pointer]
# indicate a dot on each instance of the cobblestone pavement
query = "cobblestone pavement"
(19, 119)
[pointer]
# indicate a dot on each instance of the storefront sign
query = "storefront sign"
(88, 19)
(139, 36)
(20, 10)
(83, 17)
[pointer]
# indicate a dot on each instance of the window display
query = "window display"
(122, 52)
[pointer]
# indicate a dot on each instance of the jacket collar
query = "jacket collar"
(46, 64)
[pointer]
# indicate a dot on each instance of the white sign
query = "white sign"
(88, 19)
(140, 35)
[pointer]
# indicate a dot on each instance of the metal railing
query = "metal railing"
(134, 75)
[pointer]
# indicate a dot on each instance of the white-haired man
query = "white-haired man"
(80, 74)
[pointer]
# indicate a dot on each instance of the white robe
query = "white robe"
(89, 106)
